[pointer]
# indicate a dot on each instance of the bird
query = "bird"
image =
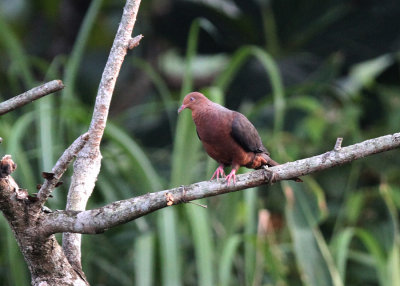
(227, 136)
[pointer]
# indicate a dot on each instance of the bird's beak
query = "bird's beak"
(181, 108)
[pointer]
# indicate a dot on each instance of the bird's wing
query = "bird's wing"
(246, 135)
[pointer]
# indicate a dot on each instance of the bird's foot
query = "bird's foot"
(272, 179)
(273, 176)
(231, 176)
(219, 172)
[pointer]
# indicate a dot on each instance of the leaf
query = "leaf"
(186, 142)
(139, 162)
(225, 263)
(313, 257)
(170, 253)
(144, 251)
(250, 231)
(203, 243)
(340, 248)
(238, 59)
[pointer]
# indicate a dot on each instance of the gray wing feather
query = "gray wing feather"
(246, 135)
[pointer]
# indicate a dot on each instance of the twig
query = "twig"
(101, 219)
(30, 95)
(134, 42)
(338, 144)
(199, 205)
(60, 167)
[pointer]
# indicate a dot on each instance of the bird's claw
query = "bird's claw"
(231, 176)
(228, 179)
(219, 172)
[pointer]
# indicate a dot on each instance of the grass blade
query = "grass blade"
(226, 261)
(75, 59)
(341, 247)
(250, 231)
(190, 54)
(393, 262)
(15, 147)
(141, 165)
(169, 250)
(186, 141)
(16, 52)
(377, 253)
(68, 99)
(183, 156)
(15, 270)
(203, 244)
(144, 259)
(312, 254)
(162, 89)
(112, 270)
(238, 59)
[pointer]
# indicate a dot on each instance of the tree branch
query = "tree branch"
(87, 164)
(30, 95)
(101, 219)
(45, 259)
(60, 167)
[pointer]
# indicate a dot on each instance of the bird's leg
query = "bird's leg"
(232, 175)
(219, 172)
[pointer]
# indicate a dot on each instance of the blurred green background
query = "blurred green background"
(303, 71)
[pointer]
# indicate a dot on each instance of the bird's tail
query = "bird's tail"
(272, 163)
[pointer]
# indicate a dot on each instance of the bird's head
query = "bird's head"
(192, 101)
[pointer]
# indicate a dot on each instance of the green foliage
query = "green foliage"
(144, 259)
(310, 248)
(339, 227)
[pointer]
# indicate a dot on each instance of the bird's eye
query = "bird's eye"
(192, 99)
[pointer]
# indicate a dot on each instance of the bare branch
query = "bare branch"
(101, 219)
(87, 164)
(111, 72)
(60, 167)
(30, 95)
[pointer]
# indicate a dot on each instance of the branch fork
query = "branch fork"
(98, 220)
(53, 178)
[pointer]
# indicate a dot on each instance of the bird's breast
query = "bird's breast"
(212, 127)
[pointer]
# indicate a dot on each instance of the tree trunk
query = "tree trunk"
(46, 260)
